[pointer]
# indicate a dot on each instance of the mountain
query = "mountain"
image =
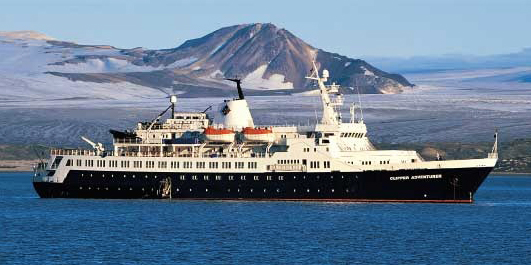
(267, 59)
(454, 62)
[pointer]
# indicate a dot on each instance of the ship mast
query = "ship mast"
(329, 113)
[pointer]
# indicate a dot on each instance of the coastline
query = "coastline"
(17, 165)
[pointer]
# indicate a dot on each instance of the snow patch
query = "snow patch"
(275, 81)
(216, 73)
(217, 48)
(347, 64)
(106, 65)
(182, 62)
(196, 68)
(367, 72)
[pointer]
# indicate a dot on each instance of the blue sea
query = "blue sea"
(496, 229)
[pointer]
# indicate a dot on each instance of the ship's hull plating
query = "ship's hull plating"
(429, 185)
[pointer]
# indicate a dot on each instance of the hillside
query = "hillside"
(267, 58)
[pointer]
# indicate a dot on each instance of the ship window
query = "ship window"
(280, 177)
(268, 177)
(150, 164)
(256, 178)
(182, 177)
(200, 164)
(194, 177)
(231, 177)
(174, 164)
(205, 177)
(242, 177)
(78, 162)
(225, 164)
(218, 177)
(162, 164)
(69, 162)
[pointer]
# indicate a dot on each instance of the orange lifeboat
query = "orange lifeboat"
(219, 135)
(262, 135)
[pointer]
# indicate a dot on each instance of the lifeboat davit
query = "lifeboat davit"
(219, 135)
(261, 135)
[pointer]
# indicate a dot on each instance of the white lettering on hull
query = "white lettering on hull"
(436, 176)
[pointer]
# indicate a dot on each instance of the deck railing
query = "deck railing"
(81, 152)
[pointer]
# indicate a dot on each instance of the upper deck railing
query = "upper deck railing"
(80, 152)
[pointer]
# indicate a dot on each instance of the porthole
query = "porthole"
(318, 190)
(308, 190)
(112, 175)
(332, 190)
(144, 176)
(155, 176)
(133, 176)
(142, 189)
(106, 188)
(119, 189)
(177, 190)
(82, 174)
(91, 175)
(304, 177)
(80, 188)
(90, 188)
(278, 190)
(98, 188)
(294, 190)
(228, 190)
(124, 175)
(130, 188)
(206, 190)
(190, 190)
(347, 190)
(331, 177)
(238, 190)
(265, 190)
(102, 175)
(251, 190)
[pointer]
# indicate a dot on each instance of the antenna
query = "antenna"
(353, 112)
(359, 100)
(238, 86)
(173, 100)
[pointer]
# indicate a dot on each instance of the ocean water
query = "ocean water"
(496, 229)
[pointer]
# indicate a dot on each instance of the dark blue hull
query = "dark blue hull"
(429, 185)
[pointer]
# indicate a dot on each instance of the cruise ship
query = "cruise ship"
(225, 156)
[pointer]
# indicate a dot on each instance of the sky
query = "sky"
(399, 28)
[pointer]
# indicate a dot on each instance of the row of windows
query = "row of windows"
(307, 190)
(288, 161)
(355, 135)
(162, 164)
(314, 164)
(217, 177)
(307, 149)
